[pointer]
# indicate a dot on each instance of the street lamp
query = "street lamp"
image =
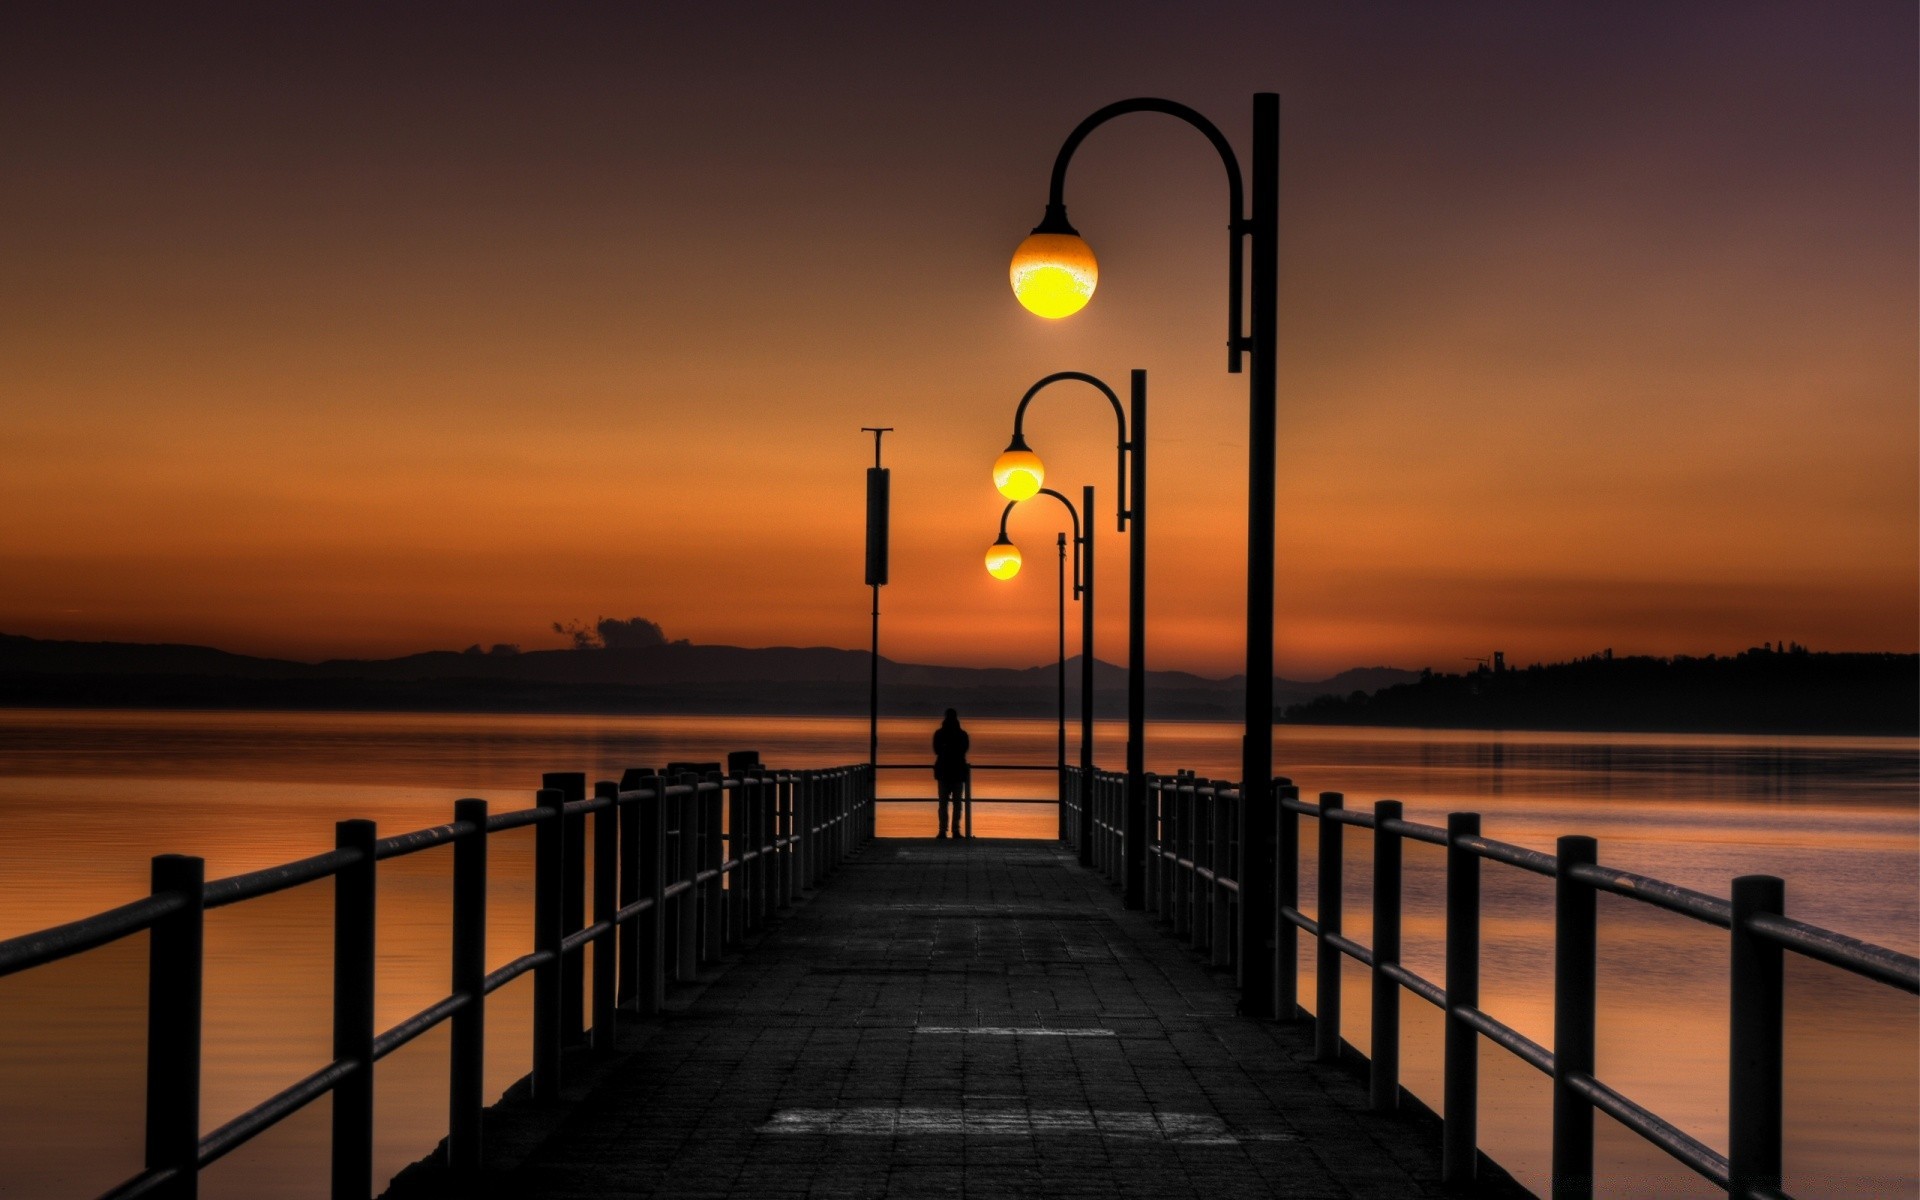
(1003, 557)
(1083, 592)
(1047, 269)
(1132, 511)
(1053, 271)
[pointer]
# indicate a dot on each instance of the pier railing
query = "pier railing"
(966, 812)
(682, 866)
(1194, 861)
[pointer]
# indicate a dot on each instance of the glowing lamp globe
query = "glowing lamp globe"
(1018, 473)
(1053, 274)
(1003, 559)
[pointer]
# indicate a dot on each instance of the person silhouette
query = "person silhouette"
(950, 745)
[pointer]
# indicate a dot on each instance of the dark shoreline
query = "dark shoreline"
(1762, 691)
(1110, 712)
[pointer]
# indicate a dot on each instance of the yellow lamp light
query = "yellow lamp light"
(1003, 559)
(1054, 274)
(1018, 472)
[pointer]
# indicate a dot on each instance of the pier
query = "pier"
(739, 990)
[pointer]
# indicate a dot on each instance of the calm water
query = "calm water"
(86, 798)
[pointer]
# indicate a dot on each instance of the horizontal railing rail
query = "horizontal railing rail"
(1048, 768)
(927, 766)
(1194, 861)
(704, 860)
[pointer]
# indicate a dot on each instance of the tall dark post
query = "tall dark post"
(650, 987)
(1383, 1082)
(353, 968)
(879, 486)
(606, 904)
(1256, 807)
(1061, 754)
(1460, 1087)
(1084, 834)
(630, 841)
(549, 882)
(1575, 955)
(1326, 959)
(1135, 819)
(467, 1059)
(573, 906)
(174, 959)
(1757, 1037)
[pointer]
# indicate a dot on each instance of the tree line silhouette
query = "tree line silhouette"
(1767, 689)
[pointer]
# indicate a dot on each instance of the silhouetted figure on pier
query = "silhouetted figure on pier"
(950, 745)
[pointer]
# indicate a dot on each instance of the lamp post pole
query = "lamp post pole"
(1060, 756)
(1054, 274)
(1083, 834)
(1083, 591)
(1265, 992)
(1017, 473)
(1134, 816)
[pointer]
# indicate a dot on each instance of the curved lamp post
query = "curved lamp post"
(1054, 274)
(1018, 473)
(1083, 592)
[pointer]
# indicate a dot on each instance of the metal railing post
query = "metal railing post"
(1326, 957)
(1459, 1131)
(837, 828)
(467, 1057)
(573, 911)
(1083, 818)
(772, 861)
(1383, 1069)
(739, 842)
(549, 882)
(1223, 825)
(1158, 836)
(803, 832)
(713, 915)
(757, 842)
(766, 826)
(627, 819)
(1575, 954)
(1284, 959)
(785, 828)
(353, 968)
(1757, 1029)
(687, 916)
(1193, 889)
(606, 871)
(1177, 887)
(650, 974)
(175, 960)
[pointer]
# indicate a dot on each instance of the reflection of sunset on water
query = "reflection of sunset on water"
(80, 812)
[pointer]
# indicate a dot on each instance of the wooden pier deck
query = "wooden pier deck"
(960, 1018)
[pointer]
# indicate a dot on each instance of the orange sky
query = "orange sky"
(355, 334)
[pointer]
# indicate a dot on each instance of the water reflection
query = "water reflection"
(87, 797)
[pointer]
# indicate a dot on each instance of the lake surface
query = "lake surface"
(87, 797)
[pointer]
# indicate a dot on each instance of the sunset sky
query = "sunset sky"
(331, 330)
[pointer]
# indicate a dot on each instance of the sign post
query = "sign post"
(877, 501)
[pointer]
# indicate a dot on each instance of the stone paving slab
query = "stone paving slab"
(975, 1018)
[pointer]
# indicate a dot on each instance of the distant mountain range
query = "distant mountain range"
(676, 677)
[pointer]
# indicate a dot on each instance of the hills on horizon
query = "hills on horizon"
(671, 676)
(1761, 690)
